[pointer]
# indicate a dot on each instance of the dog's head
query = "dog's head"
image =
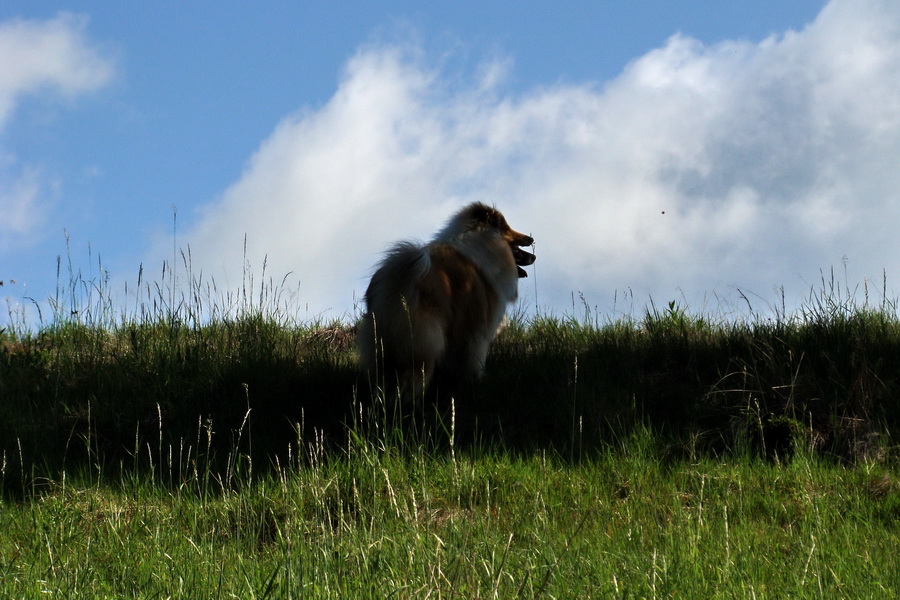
(482, 215)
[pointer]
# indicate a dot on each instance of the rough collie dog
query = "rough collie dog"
(435, 309)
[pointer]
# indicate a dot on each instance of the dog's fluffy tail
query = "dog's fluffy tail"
(403, 266)
(386, 339)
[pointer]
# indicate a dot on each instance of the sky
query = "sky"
(723, 155)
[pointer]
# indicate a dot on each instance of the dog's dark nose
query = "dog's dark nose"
(526, 240)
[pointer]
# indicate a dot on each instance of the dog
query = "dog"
(435, 309)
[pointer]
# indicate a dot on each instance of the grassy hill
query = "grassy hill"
(194, 449)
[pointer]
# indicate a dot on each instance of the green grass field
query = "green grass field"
(379, 522)
(198, 446)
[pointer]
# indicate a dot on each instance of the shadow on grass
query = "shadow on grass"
(251, 393)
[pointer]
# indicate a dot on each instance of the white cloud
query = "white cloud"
(48, 55)
(698, 170)
(37, 57)
(18, 201)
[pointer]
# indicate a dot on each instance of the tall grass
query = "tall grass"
(195, 443)
(182, 362)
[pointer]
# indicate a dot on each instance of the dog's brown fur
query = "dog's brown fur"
(438, 307)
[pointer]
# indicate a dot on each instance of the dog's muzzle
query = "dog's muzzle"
(523, 258)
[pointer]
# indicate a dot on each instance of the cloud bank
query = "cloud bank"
(699, 171)
(52, 57)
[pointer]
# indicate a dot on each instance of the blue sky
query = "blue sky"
(696, 151)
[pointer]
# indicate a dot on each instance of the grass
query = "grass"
(369, 522)
(212, 446)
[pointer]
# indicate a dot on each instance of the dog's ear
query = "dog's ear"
(482, 213)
